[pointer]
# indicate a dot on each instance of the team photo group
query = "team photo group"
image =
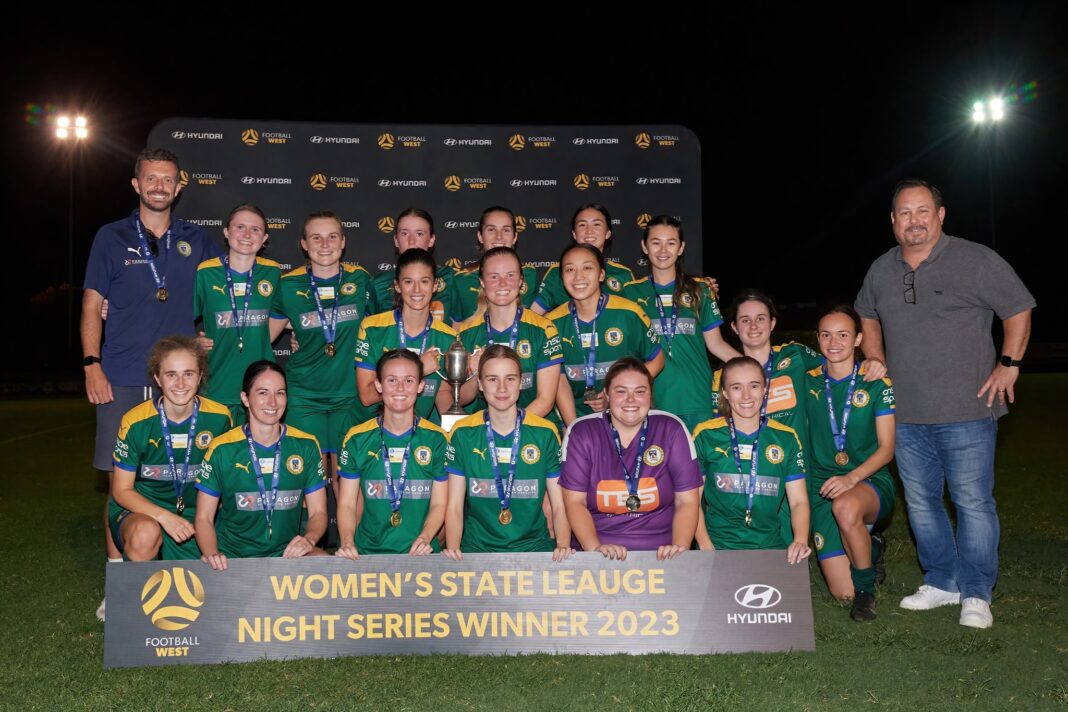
(445, 410)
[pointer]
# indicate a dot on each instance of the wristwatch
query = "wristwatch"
(1007, 361)
(90, 360)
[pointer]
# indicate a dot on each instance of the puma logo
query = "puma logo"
(305, 294)
(135, 250)
(373, 454)
(155, 443)
(724, 451)
(219, 289)
(814, 393)
(567, 341)
(481, 453)
(643, 301)
(243, 467)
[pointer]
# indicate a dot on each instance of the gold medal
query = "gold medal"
(179, 506)
(240, 345)
(589, 394)
(330, 349)
(395, 519)
(634, 503)
(161, 294)
(841, 458)
(505, 517)
(748, 518)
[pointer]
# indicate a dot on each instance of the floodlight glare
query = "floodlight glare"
(81, 132)
(997, 108)
(978, 115)
(81, 122)
(62, 133)
(63, 122)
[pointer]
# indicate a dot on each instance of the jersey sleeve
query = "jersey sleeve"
(552, 453)
(1003, 289)
(314, 473)
(883, 396)
(437, 464)
(453, 453)
(551, 290)
(127, 455)
(207, 479)
(682, 462)
(649, 341)
(348, 458)
(363, 347)
(865, 301)
(199, 300)
(98, 271)
(576, 463)
(551, 352)
(278, 305)
(795, 457)
(710, 316)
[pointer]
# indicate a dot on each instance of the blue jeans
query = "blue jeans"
(960, 455)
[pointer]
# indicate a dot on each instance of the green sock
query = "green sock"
(863, 579)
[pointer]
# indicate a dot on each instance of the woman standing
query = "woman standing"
(158, 453)
(596, 329)
(630, 476)
(685, 315)
(393, 470)
(257, 477)
(496, 228)
(503, 462)
(414, 230)
(851, 436)
(233, 296)
(751, 464)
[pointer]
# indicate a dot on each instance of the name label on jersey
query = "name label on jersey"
(396, 454)
(179, 441)
(239, 289)
(745, 452)
(667, 300)
(587, 339)
(267, 465)
(326, 292)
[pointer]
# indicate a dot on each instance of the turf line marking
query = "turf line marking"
(45, 432)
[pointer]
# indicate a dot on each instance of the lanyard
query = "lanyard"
(504, 491)
(631, 480)
(396, 492)
(591, 359)
(754, 461)
(268, 504)
(329, 327)
(513, 337)
(178, 481)
(840, 435)
(239, 322)
(402, 338)
(161, 281)
(667, 328)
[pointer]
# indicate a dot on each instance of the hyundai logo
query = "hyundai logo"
(178, 135)
(383, 266)
(450, 142)
(451, 224)
(643, 181)
(515, 183)
(316, 139)
(757, 595)
(578, 141)
(248, 180)
(384, 183)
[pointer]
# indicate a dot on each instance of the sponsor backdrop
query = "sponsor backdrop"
(171, 612)
(369, 173)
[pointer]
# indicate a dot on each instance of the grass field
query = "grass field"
(51, 647)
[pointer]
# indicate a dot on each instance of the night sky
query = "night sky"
(807, 119)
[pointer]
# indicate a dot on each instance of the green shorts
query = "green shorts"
(170, 551)
(324, 419)
(825, 535)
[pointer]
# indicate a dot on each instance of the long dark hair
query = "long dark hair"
(685, 285)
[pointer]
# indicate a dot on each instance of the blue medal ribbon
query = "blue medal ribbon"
(840, 435)
(329, 327)
(396, 492)
(590, 368)
(239, 322)
(504, 491)
(768, 365)
(268, 504)
(667, 328)
(754, 462)
(161, 282)
(631, 480)
(402, 338)
(176, 479)
(513, 337)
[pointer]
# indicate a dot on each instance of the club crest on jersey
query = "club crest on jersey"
(774, 454)
(439, 285)
(523, 288)
(860, 398)
(523, 348)
(203, 439)
(784, 364)
(264, 288)
(348, 289)
(653, 456)
(295, 464)
(184, 248)
(422, 455)
(686, 300)
(614, 336)
(614, 284)
(818, 540)
(530, 454)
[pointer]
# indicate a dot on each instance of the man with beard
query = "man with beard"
(144, 265)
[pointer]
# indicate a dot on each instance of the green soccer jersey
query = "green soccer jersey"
(870, 401)
(251, 328)
(229, 475)
(465, 289)
(140, 448)
(551, 292)
(379, 333)
(726, 495)
(684, 387)
(311, 372)
(790, 361)
(382, 291)
(622, 330)
(538, 459)
(361, 458)
(537, 344)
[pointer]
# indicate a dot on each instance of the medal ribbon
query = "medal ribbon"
(632, 481)
(329, 327)
(840, 435)
(668, 332)
(178, 481)
(161, 282)
(504, 492)
(402, 338)
(239, 322)
(513, 337)
(754, 460)
(395, 493)
(590, 369)
(268, 504)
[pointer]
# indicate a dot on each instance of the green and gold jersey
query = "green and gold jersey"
(361, 458)
(468, 456)
(622, 330)
(229, 475)
(466, 288)
(537, 344)
(382, 291)
(726, 495)
(870, 401)
(684, 387)
(311, 373)
(551, 292)
(790, 361)
(379, 334)
(211, 303)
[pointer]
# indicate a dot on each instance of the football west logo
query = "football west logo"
(156, 590)
(250, 137)
(385, 225)
(317, 181)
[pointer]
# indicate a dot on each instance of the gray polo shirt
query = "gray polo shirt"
(939, 350)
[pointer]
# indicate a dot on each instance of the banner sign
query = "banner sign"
(182, 612)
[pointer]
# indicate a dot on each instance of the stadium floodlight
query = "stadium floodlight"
(993, 110)
(64, 124)
(978, 112)
(997, 108)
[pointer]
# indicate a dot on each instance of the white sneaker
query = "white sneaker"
(975, 613)
(100, 611)
(928, 597)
